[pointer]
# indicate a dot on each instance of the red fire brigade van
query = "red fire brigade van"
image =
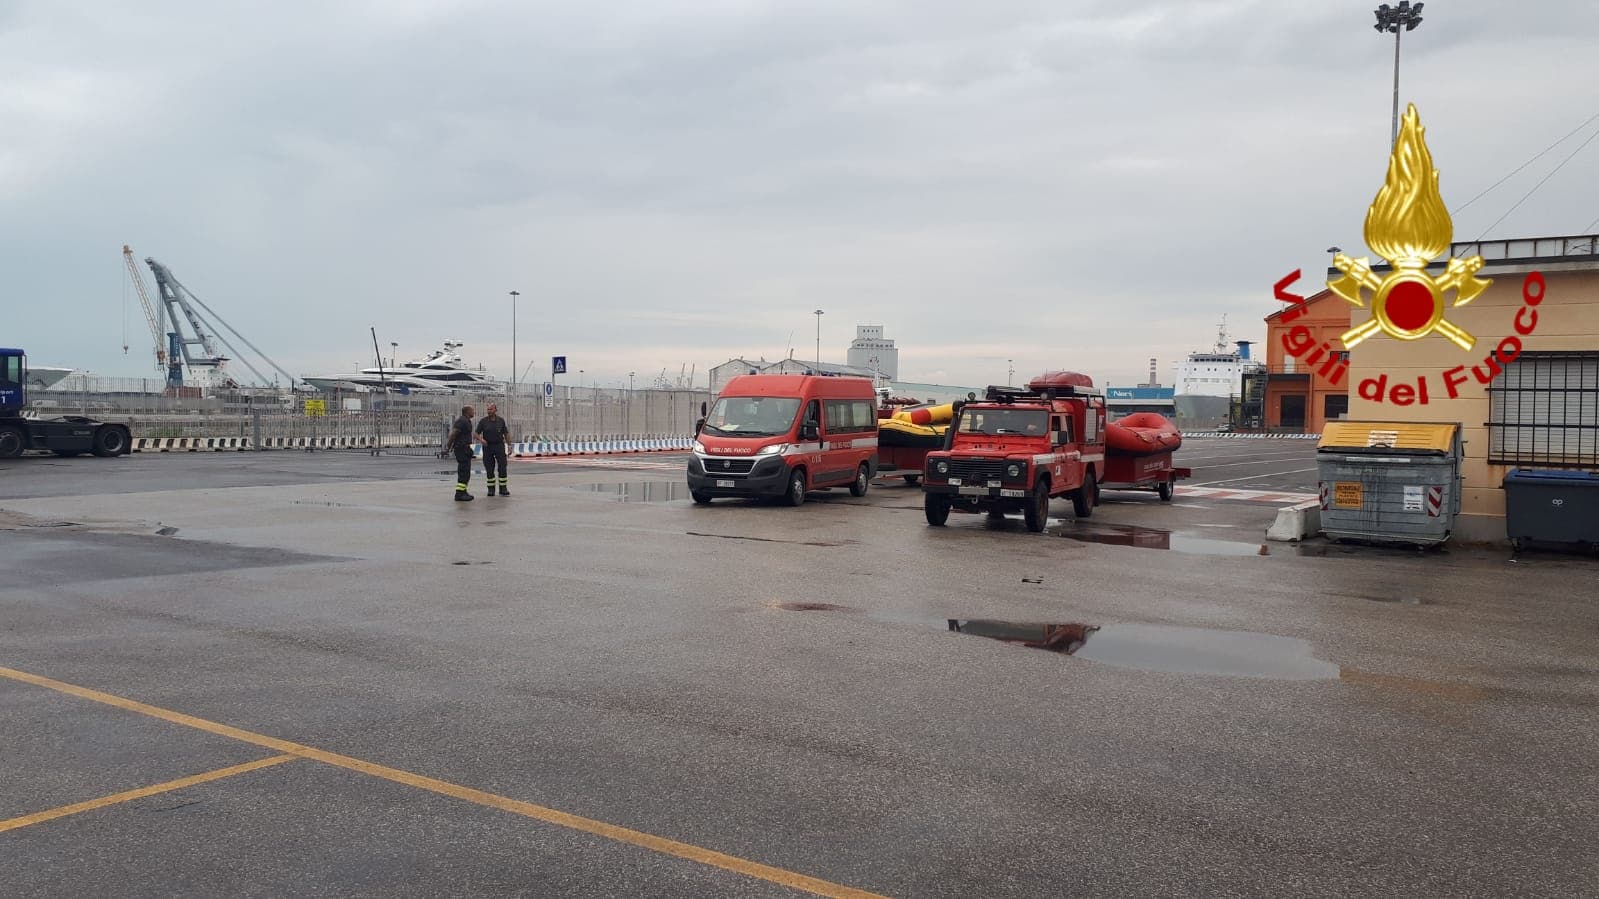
(782, 435)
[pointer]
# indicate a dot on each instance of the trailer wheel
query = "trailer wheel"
(936, 506)
(1166, 489)
(110, 440)
(1037, 512)
(1085, 497)
(11, 441)
(911, 480)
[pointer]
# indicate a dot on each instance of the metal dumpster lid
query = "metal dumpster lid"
(1375, 436)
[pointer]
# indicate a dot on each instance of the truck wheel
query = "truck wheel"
(11, 441)
(701, 499)
(1166, 489)
(1037, 512)
(1084, 497)
(796, 488)
(863, 480)
(937, 508)
(110, 440)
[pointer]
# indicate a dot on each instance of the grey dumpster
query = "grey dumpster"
(1389, 482)
(1552, 507)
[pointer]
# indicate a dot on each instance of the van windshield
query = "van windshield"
(1032, 422)
(752, 416)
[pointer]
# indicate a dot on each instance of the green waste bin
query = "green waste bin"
(1389, 482)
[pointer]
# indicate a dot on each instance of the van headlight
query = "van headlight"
(776, 449)
(698, 447)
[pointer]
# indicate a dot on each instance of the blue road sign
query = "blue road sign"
(549, 388)
(558, 365)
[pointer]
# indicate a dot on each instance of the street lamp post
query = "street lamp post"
(1398, 19)
(818, 314)
(394, 355)
(1010, 371)
(514, 295)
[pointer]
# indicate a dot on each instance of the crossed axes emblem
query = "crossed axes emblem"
(1408, 278)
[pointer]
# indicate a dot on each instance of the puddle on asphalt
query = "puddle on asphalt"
(641, 491)
(1155, 538)
(1062, 638)
(1159, 647)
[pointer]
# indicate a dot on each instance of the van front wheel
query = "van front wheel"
(796, 488)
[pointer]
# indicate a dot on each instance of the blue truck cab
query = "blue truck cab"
(71, 435)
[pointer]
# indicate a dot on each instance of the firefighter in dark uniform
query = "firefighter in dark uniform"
(493, 432)
(460, 442)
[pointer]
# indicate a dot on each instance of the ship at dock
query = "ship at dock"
(1208, 382)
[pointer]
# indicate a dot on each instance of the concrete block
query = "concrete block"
(1296, 522)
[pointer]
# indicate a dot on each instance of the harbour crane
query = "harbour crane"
(175, 350)
(157, 331)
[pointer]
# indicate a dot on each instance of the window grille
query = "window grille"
(1544, 412)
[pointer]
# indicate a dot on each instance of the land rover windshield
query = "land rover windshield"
(994, 422)
(752, 416)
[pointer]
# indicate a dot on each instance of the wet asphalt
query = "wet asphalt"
(779, 685)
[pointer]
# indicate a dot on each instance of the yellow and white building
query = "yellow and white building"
(1541, 410)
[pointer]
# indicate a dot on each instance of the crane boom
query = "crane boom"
(149, 308)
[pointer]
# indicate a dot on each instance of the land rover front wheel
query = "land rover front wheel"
(796, 488)
(937, 508)
(1037, 512)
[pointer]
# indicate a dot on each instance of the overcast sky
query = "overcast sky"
(1067, 184)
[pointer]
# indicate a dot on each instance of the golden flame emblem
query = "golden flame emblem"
(1408, 225)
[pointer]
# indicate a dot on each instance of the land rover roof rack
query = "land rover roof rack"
(1000, 394)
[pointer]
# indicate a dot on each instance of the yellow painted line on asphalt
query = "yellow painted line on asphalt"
(130, 795)
(614, 832)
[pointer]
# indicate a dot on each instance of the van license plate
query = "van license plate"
(724, 483)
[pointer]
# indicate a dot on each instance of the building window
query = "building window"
(1544, 412)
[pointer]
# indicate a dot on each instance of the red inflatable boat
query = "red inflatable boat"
(1141, 434)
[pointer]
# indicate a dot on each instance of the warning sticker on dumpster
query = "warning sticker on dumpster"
(1347, 495)
(1413, 495)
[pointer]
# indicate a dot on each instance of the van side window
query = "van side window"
(850, 417)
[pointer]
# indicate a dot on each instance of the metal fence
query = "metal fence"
(392, 420)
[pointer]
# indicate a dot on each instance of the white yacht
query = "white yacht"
(43, 377)
(440, 371)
